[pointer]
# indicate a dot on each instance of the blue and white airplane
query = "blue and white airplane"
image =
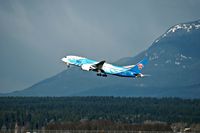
(102, 68)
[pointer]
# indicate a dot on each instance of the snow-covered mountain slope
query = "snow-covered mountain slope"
(183, 27)
(174, 59)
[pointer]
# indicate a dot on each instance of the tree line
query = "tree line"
(96, 112)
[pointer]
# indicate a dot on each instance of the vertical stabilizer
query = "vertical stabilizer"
(138, 67)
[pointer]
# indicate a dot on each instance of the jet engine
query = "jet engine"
(86, 67)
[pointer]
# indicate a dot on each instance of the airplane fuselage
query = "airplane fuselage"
(106, 68)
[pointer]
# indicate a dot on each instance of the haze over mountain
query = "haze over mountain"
(174, 66)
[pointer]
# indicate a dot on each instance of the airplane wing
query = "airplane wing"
(98, 68)
(130, 66)
(94, 67)
(99, 65)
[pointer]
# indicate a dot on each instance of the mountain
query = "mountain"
(174, 66)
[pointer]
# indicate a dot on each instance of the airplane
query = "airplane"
(103, 69)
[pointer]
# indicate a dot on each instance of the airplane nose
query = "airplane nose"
(63, 59)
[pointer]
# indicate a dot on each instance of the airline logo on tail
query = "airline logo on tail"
(140, 66)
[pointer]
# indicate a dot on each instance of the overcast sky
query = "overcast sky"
(35, 34)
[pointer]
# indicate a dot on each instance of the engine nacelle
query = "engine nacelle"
(86, 67)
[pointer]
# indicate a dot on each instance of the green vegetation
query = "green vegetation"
(64, 112)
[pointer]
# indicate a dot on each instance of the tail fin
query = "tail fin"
(138, 67)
